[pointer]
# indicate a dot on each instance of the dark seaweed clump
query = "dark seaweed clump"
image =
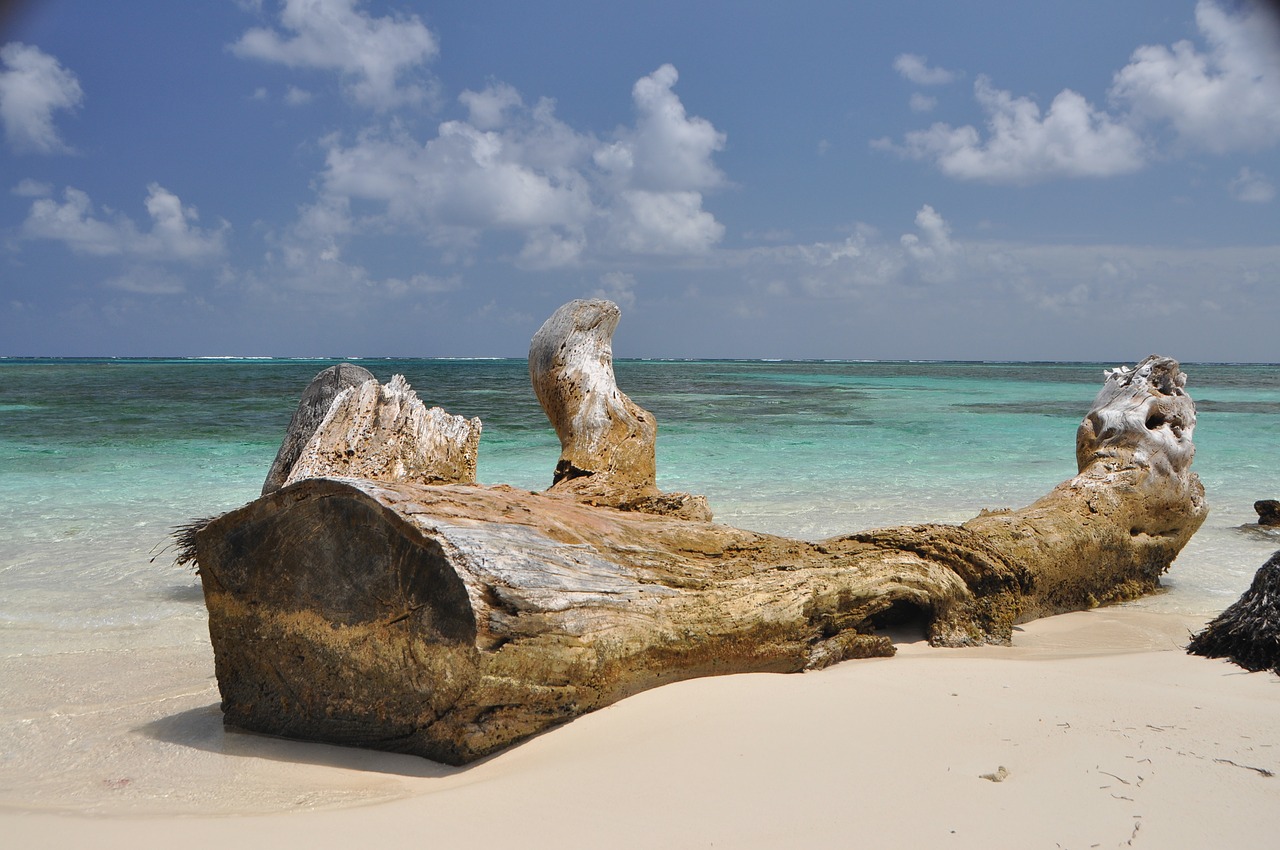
(184, 542)
(1248, 632)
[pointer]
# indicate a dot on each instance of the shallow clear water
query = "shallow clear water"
(100, 459)
(104, 661)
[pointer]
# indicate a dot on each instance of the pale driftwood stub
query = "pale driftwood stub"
(386, 433)
(607, 441)
(605, 437)
(316, 400)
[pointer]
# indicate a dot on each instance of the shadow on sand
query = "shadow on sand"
(202, 729)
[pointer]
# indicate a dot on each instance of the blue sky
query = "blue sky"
(934, 180)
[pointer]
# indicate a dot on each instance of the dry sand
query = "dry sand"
(1102, 732)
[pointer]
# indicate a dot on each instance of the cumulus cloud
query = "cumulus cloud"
(548, 248)
(28, 188)
(519, 169)
(1251, 187)
(672, 223)
(1222, 100)
(1023, 145)
(147, 280)
(656, 172)
(486, 107)
(34, 85)
(666, 150)
(916, 69)
(524, 176)
(465, 177)
(863, 260)
(931, 249)
(173, 235)
(618, 287)
(307, 256)
(314, 239)
(922, 102)
(379, 58)
(295, 96)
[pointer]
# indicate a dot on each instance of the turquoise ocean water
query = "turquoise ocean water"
(107, 695)
(100, 458)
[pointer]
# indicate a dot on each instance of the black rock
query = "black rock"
(1268, 511)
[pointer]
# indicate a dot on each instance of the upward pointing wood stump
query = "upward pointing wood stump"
(607, 441)
(453, 620)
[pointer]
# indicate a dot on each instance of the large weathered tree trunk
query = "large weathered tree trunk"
(451, 621)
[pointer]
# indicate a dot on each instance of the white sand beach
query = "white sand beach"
(1103, 732)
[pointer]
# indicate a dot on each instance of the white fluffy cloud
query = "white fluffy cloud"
(1251, 187)
(519, 169)
(916, 69)
(1023, 145)
(28, 188)
(464, 177)
(486, 107)
(295, 96)
(552, 248)
(667, 150)
(618, 287)
(931, 251)
(379, 58)
(922, 102)
(1222, 100)
(33, 85)
(672, 223)
(173, 235)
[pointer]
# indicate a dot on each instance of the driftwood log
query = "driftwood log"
(453, 620)
(1248, 631)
